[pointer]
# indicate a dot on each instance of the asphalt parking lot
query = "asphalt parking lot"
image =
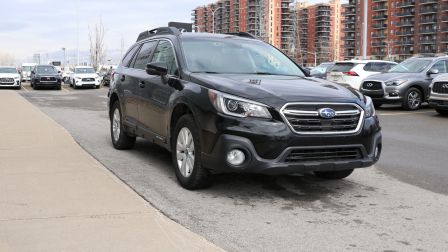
(401, 204)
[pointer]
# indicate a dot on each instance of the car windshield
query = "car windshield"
(45, 70)
(411, 66)
(84, 70)
(8, 70)
(322, 68)
(236, 56)
(26, 68)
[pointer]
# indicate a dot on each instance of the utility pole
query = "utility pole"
(364, 32)
(77, 32)
(213, 17)
(63, 64)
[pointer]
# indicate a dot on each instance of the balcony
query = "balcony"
(382, 7)
(428, 31)
(408, 42)
(404, 33)
(405, 4)
(405, 23)
(429, 10)
(405, 14)
(378, 44)
(379, 26)
(378, 35)
(428, 20)
(350, 21)
(380, 17)
(422, 2)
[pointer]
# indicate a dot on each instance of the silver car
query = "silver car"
(438, 96)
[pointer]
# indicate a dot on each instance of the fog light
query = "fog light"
(236, 157)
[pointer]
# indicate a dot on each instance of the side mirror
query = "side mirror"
(432, 71)
(59, 72)
(33, 72)
(307, 72)
(157, 68)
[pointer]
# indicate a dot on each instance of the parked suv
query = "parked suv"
(45, 76)
(10, 77)
(353, 72)
(232, 103)
(84, 76)
(407, 83)
(438, 97)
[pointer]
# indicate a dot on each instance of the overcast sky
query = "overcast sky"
(45, 26)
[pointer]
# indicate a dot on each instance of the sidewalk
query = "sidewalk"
(55, 197)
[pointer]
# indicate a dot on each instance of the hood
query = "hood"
(87, 75)
(9, 75)
(47, 74)
(393, 76)
(275, 90)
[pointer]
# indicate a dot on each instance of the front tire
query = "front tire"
(333, 174)
(186, 155)
(120, 138)
(413, 99)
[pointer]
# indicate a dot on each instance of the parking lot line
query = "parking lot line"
(64, 89)
(26, 89)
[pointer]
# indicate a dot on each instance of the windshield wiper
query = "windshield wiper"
(207, 72)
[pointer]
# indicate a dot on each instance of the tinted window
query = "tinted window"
(84, 70)
(342, 67)
(46, 70)
(144, 55)
(377, 67)
(8, 70)
(164, 54)
(441, 66)
(127, 59)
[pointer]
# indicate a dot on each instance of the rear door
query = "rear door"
(130, 90)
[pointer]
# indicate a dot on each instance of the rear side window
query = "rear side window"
(127, 59)
(377, 67)
(144, 55)
(342, 67)
(441, 66)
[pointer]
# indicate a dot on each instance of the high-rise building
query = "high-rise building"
(270, 20)
(397, 29)
(319, 32)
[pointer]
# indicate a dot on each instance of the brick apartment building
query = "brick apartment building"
(397, 29)
(319, 32)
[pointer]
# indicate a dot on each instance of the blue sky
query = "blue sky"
(45, 26)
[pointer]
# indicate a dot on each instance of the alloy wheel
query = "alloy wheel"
(414, 99)
(116, 124)
(185, 152)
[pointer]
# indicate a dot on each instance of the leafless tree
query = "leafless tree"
(7, 59)
(390, 49)
(97, 48)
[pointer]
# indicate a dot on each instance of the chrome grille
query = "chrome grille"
(372, 85)
(88, 79)
(323, 154)
(304, 118)
(440, 87)
(6, 80)
(47, 79)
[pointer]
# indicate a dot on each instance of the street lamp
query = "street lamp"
(213, 17)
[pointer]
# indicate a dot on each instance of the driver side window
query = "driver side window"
(164, 54)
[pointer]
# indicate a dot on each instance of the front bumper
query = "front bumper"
(16, 83)
(267, 153)
(385, 95)
(438, 101)
(79, 83)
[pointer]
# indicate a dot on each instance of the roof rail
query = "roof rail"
(242, 34)
(158, 31)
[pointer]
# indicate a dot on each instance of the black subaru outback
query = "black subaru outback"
(232, 103)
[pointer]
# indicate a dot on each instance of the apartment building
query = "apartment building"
(397, 29)
(270, 20)
(319, 32)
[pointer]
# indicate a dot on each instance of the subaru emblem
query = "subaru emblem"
(327, 113)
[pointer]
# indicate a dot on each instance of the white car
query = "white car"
(26, 71)
(10, 77)
(353, 72)
(84, 76)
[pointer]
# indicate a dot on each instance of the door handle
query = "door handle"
(123, 78)
(142, 84)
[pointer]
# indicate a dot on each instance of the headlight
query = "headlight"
(395, 82)
(370, 109)
(78, 78)
(236, 106)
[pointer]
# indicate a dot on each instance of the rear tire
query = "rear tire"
(186, 155)
(59, 87)
(442, 111)
(412, 99)
(333, 174)
(120, 138)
